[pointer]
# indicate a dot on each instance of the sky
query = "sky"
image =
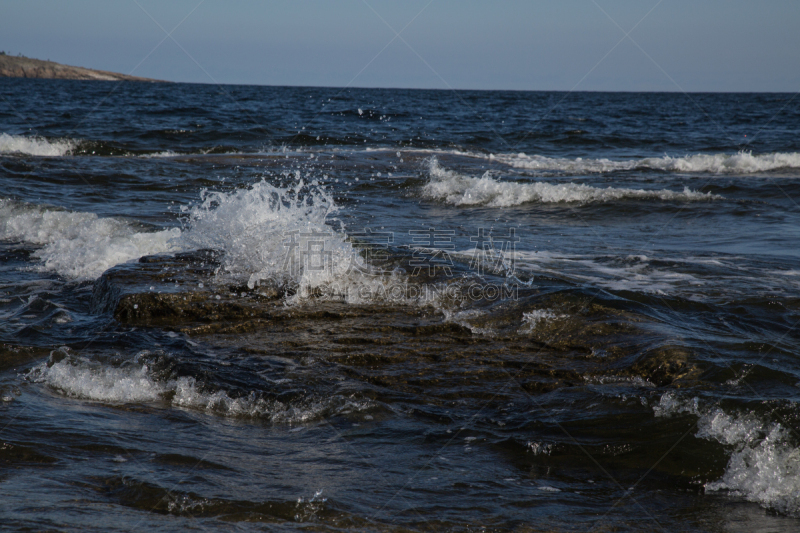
(583, 45)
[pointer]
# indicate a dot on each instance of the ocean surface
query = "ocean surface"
(235, 308)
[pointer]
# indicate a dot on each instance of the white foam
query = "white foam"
(538, 315)
(463, 318)
(98, 382)
(267, 234)
(78, 377)
(165, 153)
(39, 146)
(739, 163)
(634, 274)
(661, 275)
(280, 235)
(764, 466)
(79, 246)
(532, 318)
(458, 189)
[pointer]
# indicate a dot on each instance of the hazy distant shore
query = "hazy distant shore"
(26, 67)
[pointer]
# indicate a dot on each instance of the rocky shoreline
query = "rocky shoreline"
(26, 67)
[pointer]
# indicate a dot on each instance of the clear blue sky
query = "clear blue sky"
(690, 45)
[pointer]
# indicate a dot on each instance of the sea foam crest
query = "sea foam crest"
(738, 163)
(134, 382)
(79, 246)
(458, 189)
(764, 466)
(39, 146)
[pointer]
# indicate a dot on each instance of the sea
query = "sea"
(251, 308)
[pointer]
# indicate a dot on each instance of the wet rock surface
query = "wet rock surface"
(440, 353)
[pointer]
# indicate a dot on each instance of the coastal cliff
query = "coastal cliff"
(26, 67)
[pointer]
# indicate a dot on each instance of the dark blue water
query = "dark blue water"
(275, 308)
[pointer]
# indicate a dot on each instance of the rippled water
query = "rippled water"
(231, 307)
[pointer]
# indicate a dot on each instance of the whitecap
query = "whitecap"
(135, 382)
(77, 245)
(738, 163)
(764, 465)
(461, 190)
(266, 234)
(38, 146)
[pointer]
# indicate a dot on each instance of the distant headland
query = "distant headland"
(26, 67)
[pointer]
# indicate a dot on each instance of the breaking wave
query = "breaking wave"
(764, 465)
(76, 245)
(458, 189)
(135, 381)
(739, 163)
(39, 146)
(267, 234)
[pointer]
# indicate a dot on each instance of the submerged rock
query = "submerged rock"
(173, 310)
(667, 365)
